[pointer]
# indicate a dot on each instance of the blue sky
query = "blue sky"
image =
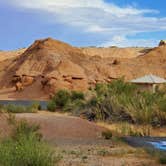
(82, 22)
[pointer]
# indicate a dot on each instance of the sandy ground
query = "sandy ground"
(27, 94)
(79, 142)
(60, 128)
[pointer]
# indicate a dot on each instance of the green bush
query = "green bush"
(25, 147)
(162, 104)
(120, 101)
(23, 128)
(75, 95)
(74, 106)
(61, 98)
(66, 101)
(51, 106)
(35, 106)
(162, 159)
(93, 101)
(26, 152)
(15, 109)
(11, 108)
(107, 134)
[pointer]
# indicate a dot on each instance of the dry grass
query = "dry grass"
(114, 127)
(105, 155)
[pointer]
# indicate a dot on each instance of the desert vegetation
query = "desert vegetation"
(66, 101)
(115, 102)
(160, 156)
(12, 108)
(26, 147)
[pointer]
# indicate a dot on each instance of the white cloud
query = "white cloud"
(98, 17)
(122, 41)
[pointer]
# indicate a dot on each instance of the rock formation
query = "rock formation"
(49, 65)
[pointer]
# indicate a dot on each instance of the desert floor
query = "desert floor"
(80, 143)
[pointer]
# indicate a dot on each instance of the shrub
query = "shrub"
(15, 109)
(66, 101)
(26, 152)
(162, 105)
(117, 101)
(101, 89)
(107, 134)
(162, 159)
(23, 128)
(121, 87)
(35, 106)
(77, 95)
(25, 147)
(51, 106)
(127, 130)
(11, 108)
(120, 101)
(1, 107)
(61, 98)
(93, 101)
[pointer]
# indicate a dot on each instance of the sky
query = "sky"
(81, 23)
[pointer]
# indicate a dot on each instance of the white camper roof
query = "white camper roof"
(149, 79)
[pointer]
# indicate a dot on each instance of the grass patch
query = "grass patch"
(11, 108)
(126, 129)
(25, 147)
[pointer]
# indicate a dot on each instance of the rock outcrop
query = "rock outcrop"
(49, 65)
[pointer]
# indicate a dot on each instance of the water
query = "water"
(43, 104)
(158, 143)
(161, 145)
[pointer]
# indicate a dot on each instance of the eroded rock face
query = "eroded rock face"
(22, 81)
(19, 86)
(50, 65)
(27, 80)
(58, 63)
(73, 83)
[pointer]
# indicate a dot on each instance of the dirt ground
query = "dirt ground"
(27, 94)
(80, 143)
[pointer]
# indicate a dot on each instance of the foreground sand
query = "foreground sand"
(79, 142)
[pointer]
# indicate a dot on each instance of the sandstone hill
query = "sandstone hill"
(4, 55)
(49, 65)
(116, 52)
